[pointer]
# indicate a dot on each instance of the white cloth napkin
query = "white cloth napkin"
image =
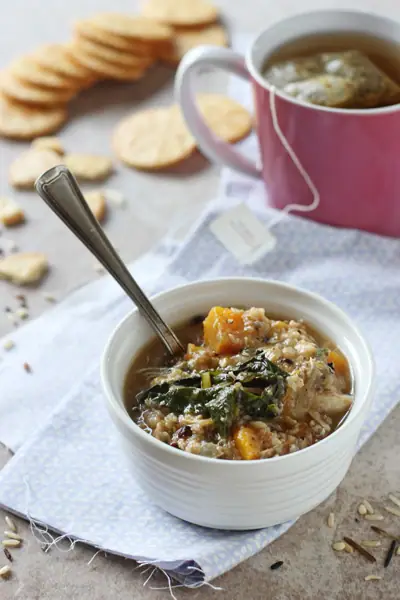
(68, 471)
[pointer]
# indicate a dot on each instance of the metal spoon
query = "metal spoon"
(60, 191)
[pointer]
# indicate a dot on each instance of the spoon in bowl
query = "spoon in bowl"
(59, 189)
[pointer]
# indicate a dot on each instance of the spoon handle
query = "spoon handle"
(59, 189)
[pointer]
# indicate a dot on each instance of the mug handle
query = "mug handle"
(213, 147)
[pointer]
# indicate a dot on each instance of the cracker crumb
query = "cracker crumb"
(22, 313)
(10, 213)
(49, 298)
(8, 345)
(115, 197)
(27, 367)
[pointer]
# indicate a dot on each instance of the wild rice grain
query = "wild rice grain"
(12, 535)
(339, 546)
(10, 524)
(372, 578)
(11, 543)
(368, 506)
(374, 517)
(393, 511)
(385, 533)
(390, 554)
(276, 565)
(7, 554)
(356, 546)
(394, 499)
(5, 572)
(362, 510)
(331, 520)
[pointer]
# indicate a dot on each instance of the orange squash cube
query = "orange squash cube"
(247, 442)
(339, 362)
(224, 330)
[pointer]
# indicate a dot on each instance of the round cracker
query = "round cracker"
(111, 55)
(29, 165)
(181, 12)
(188, 38)
(228, 119)
(97, 204)
(104, 68)
(26, 69)
(17, 90)
(26, 123)
(132, 27)
(153, 139)
(55, 58)
(89, 167)
(86, 30)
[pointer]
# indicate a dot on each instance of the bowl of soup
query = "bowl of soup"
(256, 423)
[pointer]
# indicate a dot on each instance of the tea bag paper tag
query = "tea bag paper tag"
(243, 235)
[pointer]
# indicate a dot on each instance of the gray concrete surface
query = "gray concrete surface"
(157, 202)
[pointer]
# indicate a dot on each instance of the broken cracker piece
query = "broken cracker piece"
(97, 204)
(29, 165)
(89, 167)
(49, 143)
(10, 213)
(24, 268)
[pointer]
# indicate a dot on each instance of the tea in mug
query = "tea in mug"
(353, 71)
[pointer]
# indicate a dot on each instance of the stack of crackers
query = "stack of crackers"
(35, 89)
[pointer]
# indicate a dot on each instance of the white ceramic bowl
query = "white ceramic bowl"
(235, 494)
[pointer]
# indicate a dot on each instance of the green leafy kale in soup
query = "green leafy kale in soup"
(248, 387)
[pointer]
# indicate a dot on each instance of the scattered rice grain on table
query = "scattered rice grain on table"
(370, 509)
(10, 523)
(393, 511)
(394, 499)
(12, 535)
(371, 543)
(11, 543)
(5, 572)
(339, 546)
(362, 510)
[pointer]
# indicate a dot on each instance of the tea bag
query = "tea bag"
(347, 79)
(373, 87)
(324, 90)
(291, 71)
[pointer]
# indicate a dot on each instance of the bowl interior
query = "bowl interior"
(184, 302)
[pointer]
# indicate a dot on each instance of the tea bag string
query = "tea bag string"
(285, 143)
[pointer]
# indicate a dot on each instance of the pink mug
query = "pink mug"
(351, 156)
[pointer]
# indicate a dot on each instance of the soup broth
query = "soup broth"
(250, 386)
(377, 63)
